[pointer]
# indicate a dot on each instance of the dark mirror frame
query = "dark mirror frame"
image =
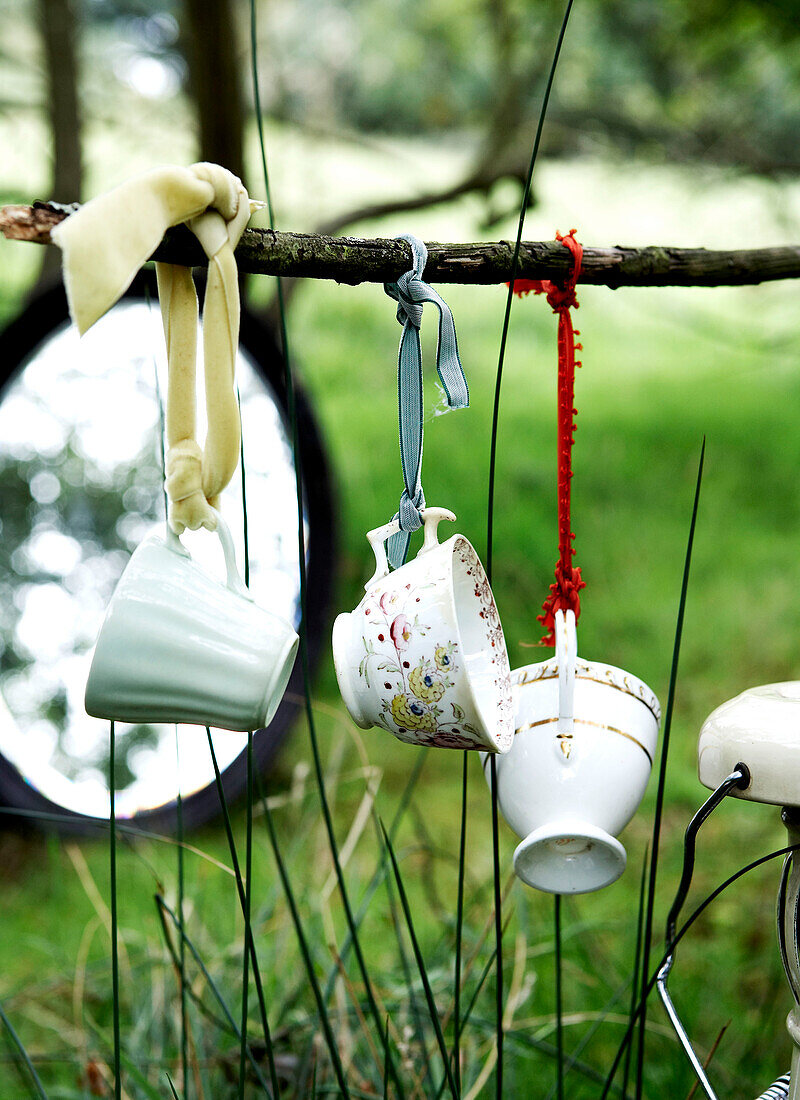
(21, 804)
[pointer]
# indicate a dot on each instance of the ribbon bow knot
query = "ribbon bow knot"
(216, 207)
(411, 293)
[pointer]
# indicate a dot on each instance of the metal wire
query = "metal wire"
(739, 778)
(683, 931)
(781, 915)
(780, 1089)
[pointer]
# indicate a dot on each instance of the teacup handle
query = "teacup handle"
(377, 540)
(233, 579)
(431, 518)
(567, 656)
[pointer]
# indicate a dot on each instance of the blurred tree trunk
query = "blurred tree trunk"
(59, 37)
(210, 46)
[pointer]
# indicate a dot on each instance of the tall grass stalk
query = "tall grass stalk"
(112, 847)
(559, 1013)
(22, 1053)
(378, 877)
(243, 470)
(385, 1061)
(416, 1016)
(290, 398)
(523, 209)
(662, 780)
(248, 881)
(468, 1012)
(249, 778)
(102, 825)
(498, 928)
(639, 1017)
(216, 1021)
(182, 945)
(637, 958)
(426, 985)
(574, 1059)
(462, 858)
(490, 500)
(381, 869)
(305, 951)
(248, 931)
(164, 911)
(162, 453)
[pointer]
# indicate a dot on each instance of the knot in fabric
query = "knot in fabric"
(564, 596)
(409, 514)
(216, 207)
(409, 290)
(98, 269)
(559, 295)
(409, 307)
(411, 293)
(563, 296)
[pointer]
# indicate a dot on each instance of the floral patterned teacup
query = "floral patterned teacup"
(423, 655)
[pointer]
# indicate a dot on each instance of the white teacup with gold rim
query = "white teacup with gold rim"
(583, 749)
(423, 655)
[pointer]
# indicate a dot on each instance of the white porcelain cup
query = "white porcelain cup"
(423, 655)
(759, 728)
(177, 645)
(578, 767)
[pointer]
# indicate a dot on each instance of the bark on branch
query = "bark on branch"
(357, 260)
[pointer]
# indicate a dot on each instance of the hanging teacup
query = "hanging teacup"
(578, 767)
(585, 732)
(177, 645)
(423, 655)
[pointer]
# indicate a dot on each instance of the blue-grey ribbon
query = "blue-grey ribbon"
(411, 293)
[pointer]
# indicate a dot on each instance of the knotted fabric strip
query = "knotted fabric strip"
(411, 293)
(98, 269)
(564, 592)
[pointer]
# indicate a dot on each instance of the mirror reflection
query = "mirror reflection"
(82, 484)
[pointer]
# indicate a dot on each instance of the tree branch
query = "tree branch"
(356, 260)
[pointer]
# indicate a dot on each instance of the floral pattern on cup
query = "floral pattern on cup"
(419, 711)
(494, 630)
(423, 654)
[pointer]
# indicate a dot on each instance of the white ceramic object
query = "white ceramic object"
(423, 655)
(585, 738)
(177, 645)
(759, 728)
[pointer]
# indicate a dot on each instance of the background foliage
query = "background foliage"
(670, 124)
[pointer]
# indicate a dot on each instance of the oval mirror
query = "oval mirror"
(81, 483)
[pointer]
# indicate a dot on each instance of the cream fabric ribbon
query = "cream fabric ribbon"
(105, 243)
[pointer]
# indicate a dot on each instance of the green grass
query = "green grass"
(661, 369)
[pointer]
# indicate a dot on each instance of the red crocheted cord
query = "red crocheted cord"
(564, 592)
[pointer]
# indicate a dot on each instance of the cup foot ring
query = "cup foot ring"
(569, 857)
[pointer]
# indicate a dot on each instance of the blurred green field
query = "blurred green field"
(662, 370)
